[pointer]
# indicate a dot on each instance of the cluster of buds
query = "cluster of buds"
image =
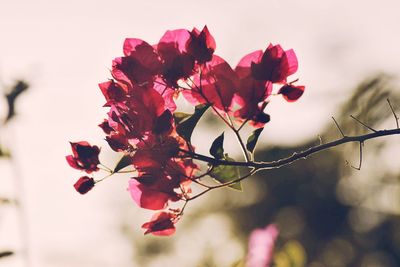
(143, 125)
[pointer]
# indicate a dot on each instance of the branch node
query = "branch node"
(363, 124)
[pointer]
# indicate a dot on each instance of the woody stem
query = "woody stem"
(297, 155)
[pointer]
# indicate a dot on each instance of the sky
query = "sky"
(65, 48)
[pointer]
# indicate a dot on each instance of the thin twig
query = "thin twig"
(363, 124)
(106, 168)
(243, 124)
(103, 169)
(105, 177)
(242, 146)
(337, 125)
(253, 171)
(182, 209)
(394, 113)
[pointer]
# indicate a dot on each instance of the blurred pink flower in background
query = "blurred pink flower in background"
(261, 246)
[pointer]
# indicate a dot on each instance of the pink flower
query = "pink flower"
(274, 65)
(261, 246)
(201, 45)
(161, 224)
(84, 185)
(139, 65)
(84, 157)
(176, 62)
(217, 84)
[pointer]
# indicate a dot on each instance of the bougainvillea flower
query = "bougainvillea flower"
(243, 68)
(113, 92)
(118, 142)
(254, 113)
(275, 65)
(167, 93)
(140, 64)
(252, 94)
(163, 125)
(161, 224)
(140, 98)
(105, 126)
(217, 84)
(201, 45)
(176, 62)
(84, 157)
(84, 185)
(291, 92)
(261, 246)
(252, 98)
(154, 152)
(137, 115)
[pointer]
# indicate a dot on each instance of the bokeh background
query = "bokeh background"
(329, 213)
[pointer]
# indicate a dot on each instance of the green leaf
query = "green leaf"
(217, 147)
(180, 116)
(187, 124)
(227, 173)
(125, 161)
(252, 140)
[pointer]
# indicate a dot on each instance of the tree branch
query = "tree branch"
(297, 155)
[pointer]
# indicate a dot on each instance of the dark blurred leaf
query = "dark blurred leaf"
(217, 147)
(4, 201)
(125, 161)
(6, 254)
(12, 96)
(224, 174)
(186, 126)
(253, 138)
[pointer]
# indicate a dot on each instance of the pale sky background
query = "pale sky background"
(64, 49)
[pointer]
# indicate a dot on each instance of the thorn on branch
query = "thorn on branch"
(361, 158)
(320, 140)
(337, 125)
(363, 124)
(394, 113)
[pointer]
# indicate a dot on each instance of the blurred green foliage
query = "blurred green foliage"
(302, 198)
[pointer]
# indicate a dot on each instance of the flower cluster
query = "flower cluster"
(141, 122)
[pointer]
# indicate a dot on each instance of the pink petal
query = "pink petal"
(176, 37)
(146, 197)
